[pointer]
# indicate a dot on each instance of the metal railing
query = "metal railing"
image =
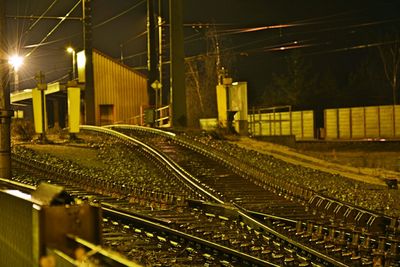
(163, 116)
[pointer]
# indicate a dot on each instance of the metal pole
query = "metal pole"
(160, 50)
(177, 70)
(151, 53)
(43, 136)
(73, 65)
(121, 47)
(5, 112)
(87, 46)
(16, 80)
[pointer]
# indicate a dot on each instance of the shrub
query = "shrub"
(22, 130)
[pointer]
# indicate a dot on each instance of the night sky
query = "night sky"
(334, 38)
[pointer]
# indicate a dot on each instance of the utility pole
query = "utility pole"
(5, 112)
(160, 50)
(151, 53)
(90, 113)
(177, 70)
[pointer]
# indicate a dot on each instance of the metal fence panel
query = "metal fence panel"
(386, 126)
(372, 122)
(19, 232)
(357, 122)
(297, 125)
(330, 119)
(308, 124)
(286, 125)
(344, 123)
(362, 122)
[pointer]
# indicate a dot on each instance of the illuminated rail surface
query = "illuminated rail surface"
(297, 238)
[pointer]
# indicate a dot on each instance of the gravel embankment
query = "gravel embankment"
(370, 196)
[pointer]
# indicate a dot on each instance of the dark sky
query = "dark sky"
(324, 31)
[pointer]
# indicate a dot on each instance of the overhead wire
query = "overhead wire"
(119, 15)
(54, 28)
(41, 16)
(46, 73)
(94, 27)
(306, 22)
(360, 46)
(366, 24)
(288, 45)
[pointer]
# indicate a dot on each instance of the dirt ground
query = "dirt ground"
(362, 154)
(82, 155)
(362, 159)
(367, 162)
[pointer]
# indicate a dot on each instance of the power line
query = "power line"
(41, 16)
(55, 27)
(135, 37)
(355, 47)
(119, 15)
(94, 27)
(359, 25)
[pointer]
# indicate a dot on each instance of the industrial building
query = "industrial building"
(120, 96)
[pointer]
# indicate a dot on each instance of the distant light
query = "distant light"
(235, 83)
(16, 61)
(282, 48)
(70, 50)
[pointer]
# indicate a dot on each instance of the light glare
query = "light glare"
(16, 61)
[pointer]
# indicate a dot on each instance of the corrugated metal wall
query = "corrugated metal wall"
(20, 232)
(362, 122)
(118, 85)
(297, 123)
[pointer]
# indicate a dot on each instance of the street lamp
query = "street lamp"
(16, 62)
(72, 51)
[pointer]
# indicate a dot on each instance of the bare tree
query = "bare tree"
(297, 85)
(202, 78)
(390, 55)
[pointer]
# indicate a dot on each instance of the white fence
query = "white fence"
(297, 123)
(362, 122)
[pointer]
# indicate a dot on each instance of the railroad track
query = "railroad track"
(266, 197)
(151, 241)
(196, 234)
(278, 240)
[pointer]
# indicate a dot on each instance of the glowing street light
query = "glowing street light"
(72, 51)
(16, 62)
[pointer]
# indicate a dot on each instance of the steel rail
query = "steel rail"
(154, 225)
(246, 215)
(307, 194)
(161, 157)
(164, 229)
(236, 165)
(316, 254)
(18, 185)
